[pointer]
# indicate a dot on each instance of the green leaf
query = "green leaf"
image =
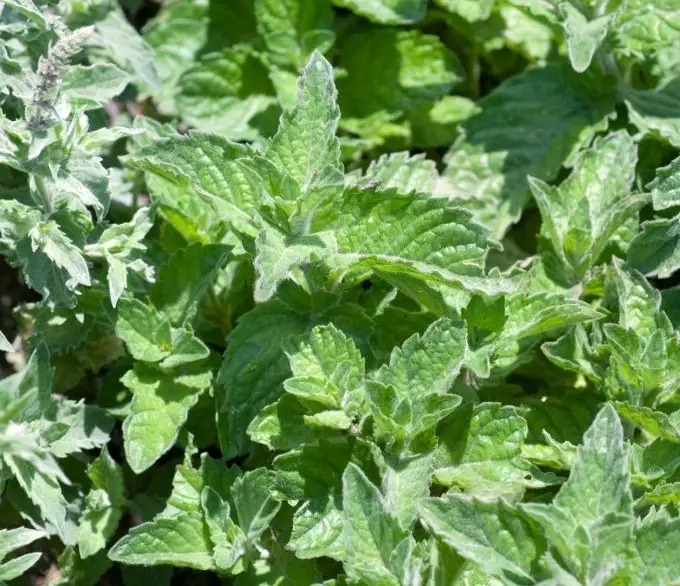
(394, 70)
(26, 395)
(305, 144)
(281, 425)
(428, 363)
(228, 93)
(5, 344)
(225, 536)
(14, 568)
(278, 258)
(647, 28)
(402, 172)
(38, 475)
(254, 504)
(656, 541)
(52, 264)
(655, 251)
(370, 533)
(184, 279)
(291, 29)
(103, 505)
(655, 112)
(480, 452)
(405, 483)
(488, 167)
(255, 366)
(74, 570)
(592, 513)
(175, 35)
(204, 164)
(584, 36)
(470, 10)
(387, 11)
(32, 12)
(666, 186)
(581, 215)
(145, 331)
(410, 239)
(11, 540)
(69, 427)
(653, 422)
(92, 86)
(494, 535)
(179, 541)
(638, 302)
(116, 41)
(327, 368)
(160, 406)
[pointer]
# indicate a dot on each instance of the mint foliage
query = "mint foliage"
(339, 292)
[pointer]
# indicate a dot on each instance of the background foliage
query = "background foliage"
(367, 292)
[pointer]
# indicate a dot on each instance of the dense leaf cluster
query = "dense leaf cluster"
(364, 292)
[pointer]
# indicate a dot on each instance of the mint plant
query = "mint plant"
(338, 292)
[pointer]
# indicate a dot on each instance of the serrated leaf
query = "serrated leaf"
(15, 567)
(487, 169)
(52, 264)
(647, 28)
(180, 541)
(327, 368)
(305, 144)
(405, 483)
(30, 11)
(402, 172)
(656, 542)
(145, 331)
(277, 258)
(428, 240)
(160, 407)
(225, 536)
(592, 512)
(205, 165)
(253, 503)
(370, 533)
(13, 539)
(653, 422)
(38, 475)
(428, 363)
(494, 535)
(480, 452)
(175, 35)
(281, 425)
(255, 366)
(69, 427)
(581, 215)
